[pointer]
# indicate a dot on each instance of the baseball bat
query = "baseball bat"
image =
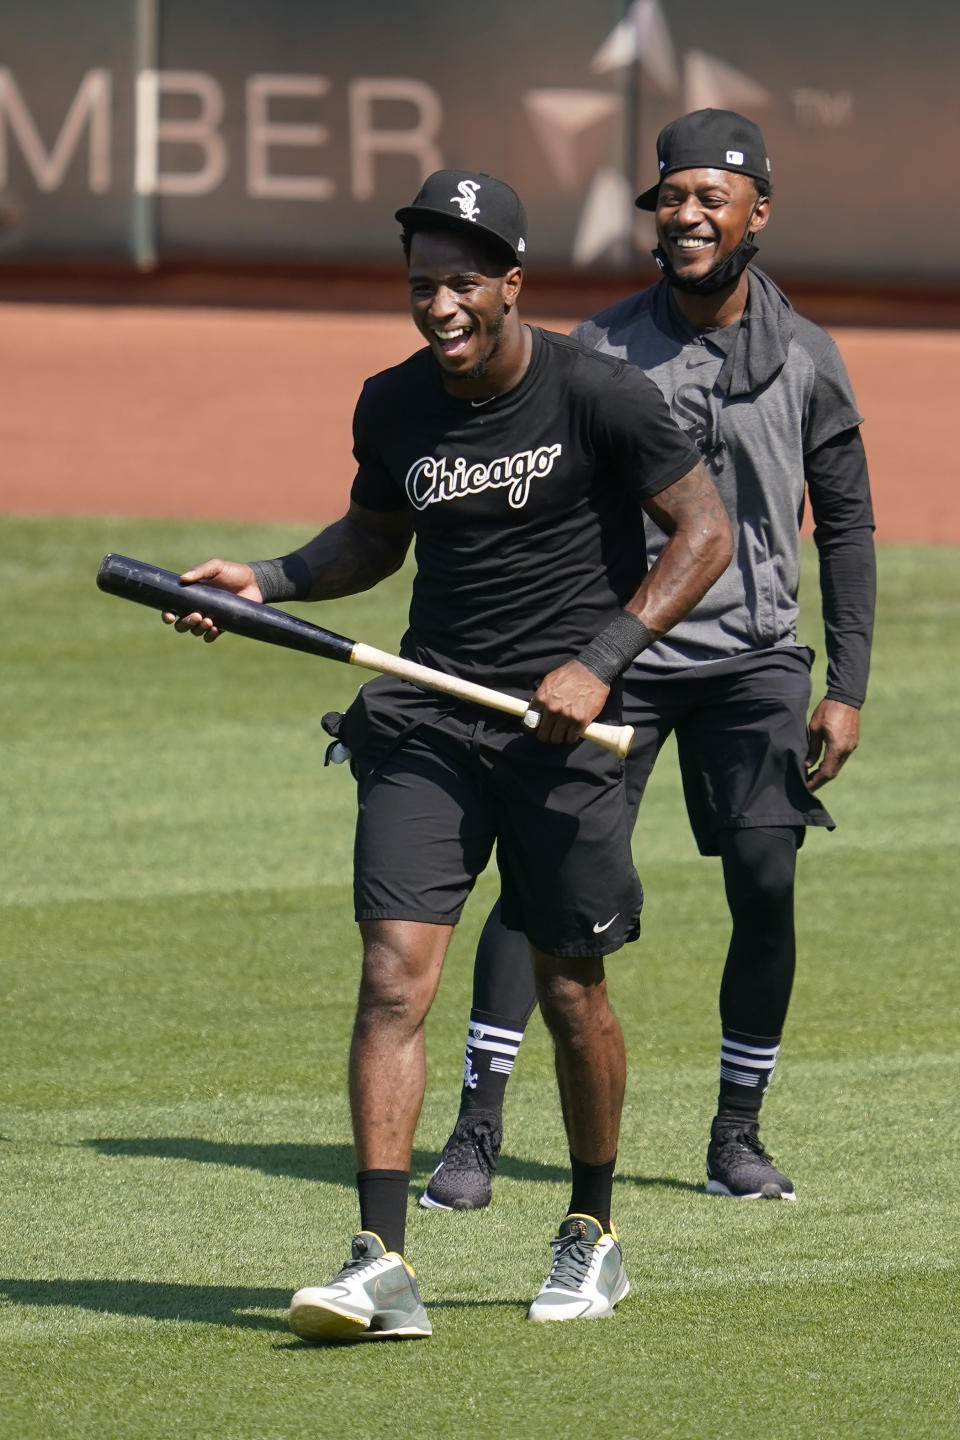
(164, 590)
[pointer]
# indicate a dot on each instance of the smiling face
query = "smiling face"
(702, 215)
(464, 312)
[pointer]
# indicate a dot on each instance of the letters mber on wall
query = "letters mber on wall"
(89, 115)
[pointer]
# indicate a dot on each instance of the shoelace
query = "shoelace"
(471, 1139)
(358, 1261)
(745, 1140)
(572, 1257)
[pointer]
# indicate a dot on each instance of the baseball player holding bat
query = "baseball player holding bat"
(519, 461)
(162, 589)
(764, 394)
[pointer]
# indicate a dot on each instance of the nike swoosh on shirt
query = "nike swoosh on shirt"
(598, 929)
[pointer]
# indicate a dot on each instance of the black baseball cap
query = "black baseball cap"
(469, 200)
(708, 140)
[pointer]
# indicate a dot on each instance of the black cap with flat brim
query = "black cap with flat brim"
(708, 140)
(468, 200)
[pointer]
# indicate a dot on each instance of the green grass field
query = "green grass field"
(179, 969)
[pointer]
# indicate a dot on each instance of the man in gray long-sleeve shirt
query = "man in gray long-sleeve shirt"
(764, 394)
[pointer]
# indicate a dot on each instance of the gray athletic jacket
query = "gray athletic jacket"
(770, 406)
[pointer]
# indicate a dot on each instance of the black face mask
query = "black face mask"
(726, 273)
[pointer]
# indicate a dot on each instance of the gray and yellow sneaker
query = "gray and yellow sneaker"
(375, 1297)
(462, 1180)
(738, 1165)
(586, 1278)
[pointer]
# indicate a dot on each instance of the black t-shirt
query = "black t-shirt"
(525, 507)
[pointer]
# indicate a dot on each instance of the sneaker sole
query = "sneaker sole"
(766, 1192)
(545, 1317)
(427, 1202)
(317, 1322)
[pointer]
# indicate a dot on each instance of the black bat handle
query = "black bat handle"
(164, 590)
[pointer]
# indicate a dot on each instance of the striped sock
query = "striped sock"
(492, 1045)
(746, 1069)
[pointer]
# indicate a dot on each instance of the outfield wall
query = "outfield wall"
(144, 131)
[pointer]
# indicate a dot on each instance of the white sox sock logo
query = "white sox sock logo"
(430, 480)
(466, 199)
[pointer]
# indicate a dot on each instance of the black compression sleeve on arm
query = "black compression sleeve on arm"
(609, 653)
(839, 489)
(288, 578)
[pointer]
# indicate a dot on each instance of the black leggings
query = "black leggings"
(758, 872)
(503, 973)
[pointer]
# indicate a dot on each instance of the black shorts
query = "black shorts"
(441, 783)
(741, 740)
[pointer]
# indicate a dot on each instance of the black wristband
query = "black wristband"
(610, 652)
(288, 578)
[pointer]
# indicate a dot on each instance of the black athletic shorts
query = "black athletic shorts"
(741, 731)
(442, 783)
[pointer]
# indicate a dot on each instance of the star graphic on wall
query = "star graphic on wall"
(569, 123)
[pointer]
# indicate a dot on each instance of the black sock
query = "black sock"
(492, 1045)
(383, 1205)
(592, 1190)
(746, 1069)
(504, 998)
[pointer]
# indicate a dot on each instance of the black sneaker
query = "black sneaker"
(467, 1163)
(738, 1165)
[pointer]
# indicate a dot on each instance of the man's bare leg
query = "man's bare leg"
(587, 1277)
(376, 1295)
(402, 962)
(589, 1052)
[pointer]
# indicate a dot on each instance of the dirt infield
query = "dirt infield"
(246, 414)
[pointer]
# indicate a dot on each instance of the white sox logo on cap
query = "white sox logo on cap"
(466, 199)
(503, 215)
